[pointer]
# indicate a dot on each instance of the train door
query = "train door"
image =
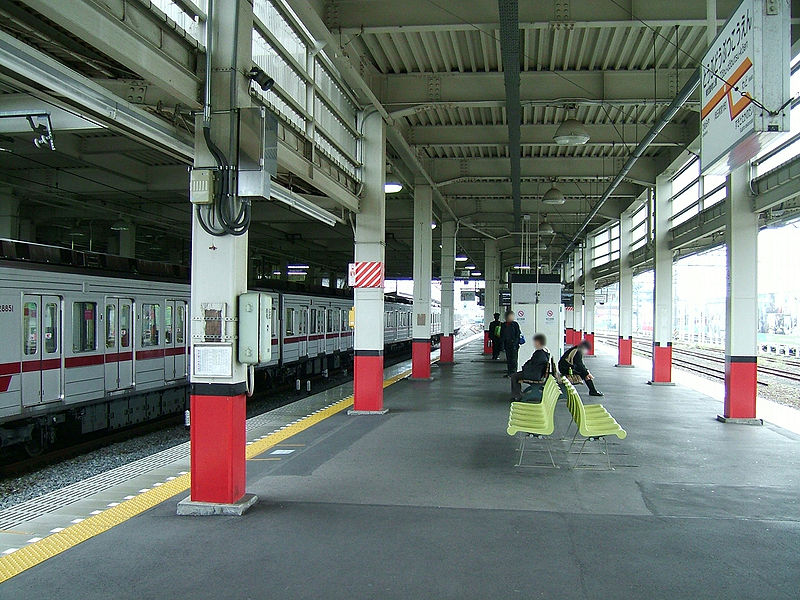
(118, 345)
(42, 375)
(175, 340)
(302, 330)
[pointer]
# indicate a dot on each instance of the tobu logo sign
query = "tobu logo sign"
(521, 313)
(549, 313)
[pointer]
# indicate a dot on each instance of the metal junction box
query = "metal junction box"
(257, 152)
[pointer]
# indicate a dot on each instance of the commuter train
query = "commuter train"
(94, 342)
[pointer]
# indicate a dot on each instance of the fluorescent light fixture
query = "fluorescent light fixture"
(476, 273)
(120, 225)
(296, 267)
(469, 267)
(553, 196)
(392, 187)
(276, 272)
(462, 258)
(303, 273)
(301, 205)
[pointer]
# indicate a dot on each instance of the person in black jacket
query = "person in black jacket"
(535, 369)
(572, 364)
(509, 336)
(494, 335)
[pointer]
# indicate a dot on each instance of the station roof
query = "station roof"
(436, 69)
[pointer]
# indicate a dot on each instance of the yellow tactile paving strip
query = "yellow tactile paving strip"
(56, 543)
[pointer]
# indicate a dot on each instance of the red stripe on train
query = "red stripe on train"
(145, 354)
(4, 383)
(10, 368)
(84, 361)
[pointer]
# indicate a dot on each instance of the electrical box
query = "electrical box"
(257, 153)
(255, 328)
(351, 318)
(201, 186)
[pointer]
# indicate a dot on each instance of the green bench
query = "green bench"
(535, 420)
(594, 422)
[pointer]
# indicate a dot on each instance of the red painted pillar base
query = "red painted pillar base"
(625, 352)
(577, 336)
(662, 364)
(368, 381)
(487, 342)
(421, 360)
(446, 350)
(218, 448)
(590, 338)
(568, 336)
(741, 375)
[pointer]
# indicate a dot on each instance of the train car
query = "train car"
(96, 342)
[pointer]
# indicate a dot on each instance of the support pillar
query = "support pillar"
(421, 329)
(370, 237)
(662, 291)
(9, 215)
(741, 305)
(625, 322)
(492, 276)
(448, 263)
(588, 298)
(577, 298)
(219, 276)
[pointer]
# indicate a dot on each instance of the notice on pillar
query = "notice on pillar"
(365, 274)
(212, 360)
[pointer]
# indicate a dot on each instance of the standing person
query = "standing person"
(509, 336)
(536, 369)
(494, 335)
(571, 365)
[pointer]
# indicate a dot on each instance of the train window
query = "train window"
(30, 327)
(333, 326)
(313, 320)
(289, 321)
(345, 320)
(151, 314)
(111, 325)
(125, 326)
(321, 321)
(274, 332)
(50, 327)
(180, 320)
(168, 323)
(302, 326)
(84, 326)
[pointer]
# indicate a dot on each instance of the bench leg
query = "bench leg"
(521, 451)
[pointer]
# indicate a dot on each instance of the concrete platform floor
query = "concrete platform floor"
(425, 502)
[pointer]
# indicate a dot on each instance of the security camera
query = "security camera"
(264, 81)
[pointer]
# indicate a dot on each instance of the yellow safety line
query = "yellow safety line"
(56, 543)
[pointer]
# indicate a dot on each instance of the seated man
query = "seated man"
(572, 367)
(535, 370)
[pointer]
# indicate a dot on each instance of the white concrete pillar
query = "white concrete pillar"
(662, 291)
(577, 297)
(370, 240)
(127, 241)
(741, 305)
(492, 291)
(219, 276)
(625, 323)
(448, 300)
(421, 328)
(588, 297)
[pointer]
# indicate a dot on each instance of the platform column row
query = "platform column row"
(662, 289)
(577, 297)
(448, 300)
(492, 277)
(741, 306)
(370, 237)
(588, 297)
(625, 325)
(421, 315)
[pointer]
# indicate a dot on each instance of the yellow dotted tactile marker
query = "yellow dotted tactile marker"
(56, 543)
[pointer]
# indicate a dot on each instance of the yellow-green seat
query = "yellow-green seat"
(594, 423)
(535, 419)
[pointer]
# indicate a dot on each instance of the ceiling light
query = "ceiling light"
(462, 258)
(120, 225)
(433, 225)
(469, 267)
(303, 273)
(476, 273)
(300, 204)
(296, 267)
(392, 187)
(571, 132)
(553, 196)
(545, 228)
(276, 272)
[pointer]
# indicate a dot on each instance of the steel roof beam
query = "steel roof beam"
(509, 42)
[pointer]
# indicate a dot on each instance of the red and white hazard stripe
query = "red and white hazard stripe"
(369, 274)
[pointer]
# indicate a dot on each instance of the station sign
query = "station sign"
(744, 85)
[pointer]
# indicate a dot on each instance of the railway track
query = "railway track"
(688, 359)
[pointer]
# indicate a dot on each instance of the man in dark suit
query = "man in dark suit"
(494, 335)
(509, 336)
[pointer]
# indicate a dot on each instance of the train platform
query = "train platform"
(425, 502)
